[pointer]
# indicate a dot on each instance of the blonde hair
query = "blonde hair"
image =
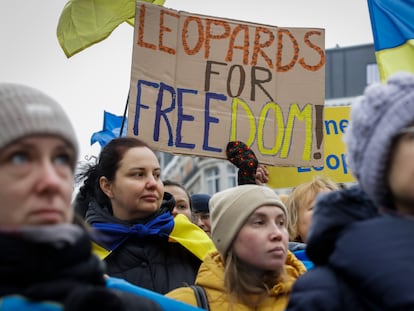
(283, 197)
(302, 195)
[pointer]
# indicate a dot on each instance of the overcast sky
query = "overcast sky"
(97, 78)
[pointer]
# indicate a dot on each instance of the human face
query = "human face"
(202, 220)
(305, 214)
(182, 201)
(137, 190)
(36, 175)
(262, 242)
(401, 173)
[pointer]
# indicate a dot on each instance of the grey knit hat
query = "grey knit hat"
(376, 119)
(26, 111)
(230, 208)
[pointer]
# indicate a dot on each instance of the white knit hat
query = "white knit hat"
(26, 111)
(230, 208)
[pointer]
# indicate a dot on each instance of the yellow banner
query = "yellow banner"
(335, 122)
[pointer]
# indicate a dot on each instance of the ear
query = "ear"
(106, 186)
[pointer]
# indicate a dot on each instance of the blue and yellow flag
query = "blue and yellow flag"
(178, 229)
(83, 23)
(392, 23)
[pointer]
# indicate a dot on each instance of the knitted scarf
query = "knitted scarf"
(47, 262)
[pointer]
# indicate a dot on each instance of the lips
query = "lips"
(277, 250)
(150, 197)
(47, 215)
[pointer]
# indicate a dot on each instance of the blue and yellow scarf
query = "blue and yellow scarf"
(177, 229)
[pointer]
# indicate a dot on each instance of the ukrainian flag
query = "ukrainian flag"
(392, 23)
(83, 23)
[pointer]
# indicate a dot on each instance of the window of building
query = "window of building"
(213, 180)
(231, 176)
(372, 74)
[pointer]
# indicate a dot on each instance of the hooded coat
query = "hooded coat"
(211, 278)
(363, 259)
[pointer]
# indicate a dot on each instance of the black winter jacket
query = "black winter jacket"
(363, 260)
(150, 262)
(52, 268)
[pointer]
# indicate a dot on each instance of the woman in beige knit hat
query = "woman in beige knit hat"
(252, 268)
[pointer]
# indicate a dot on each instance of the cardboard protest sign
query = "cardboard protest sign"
(198, 82)
(336, 120)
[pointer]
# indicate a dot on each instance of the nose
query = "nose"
(174, 211)
(200, 222)
(48, 178)
(276, 233)
(151, 182)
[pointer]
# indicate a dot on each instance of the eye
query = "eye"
(205, 216)
(258, 222)
(19, 158)
(157, 175)
(137, 174)
(281, 222)
(182, 206)
(63, 159)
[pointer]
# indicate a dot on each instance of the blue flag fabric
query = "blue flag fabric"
(113, 235)
(111, 129)
(393, 31)
(165, 302)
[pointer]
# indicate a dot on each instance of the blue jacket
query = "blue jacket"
(299, 250)
(363, 260)
(165, 302)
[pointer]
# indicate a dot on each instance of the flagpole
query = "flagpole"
(124, 116)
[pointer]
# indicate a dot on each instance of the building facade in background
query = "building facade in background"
(348, 71)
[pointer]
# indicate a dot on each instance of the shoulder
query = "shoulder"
(317, 289)
(183, 294)
(294, 266)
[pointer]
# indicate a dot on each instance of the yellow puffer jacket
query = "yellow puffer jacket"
(211, 277)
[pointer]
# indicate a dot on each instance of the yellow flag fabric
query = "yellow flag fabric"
(393, 31)
(99, 251)
(83, 23)
(400, 58)
(191, 237)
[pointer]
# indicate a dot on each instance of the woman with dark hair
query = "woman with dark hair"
(138, 238)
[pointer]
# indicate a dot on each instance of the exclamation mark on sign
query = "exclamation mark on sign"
(318, 130)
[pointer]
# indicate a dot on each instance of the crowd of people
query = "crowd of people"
(132, 241)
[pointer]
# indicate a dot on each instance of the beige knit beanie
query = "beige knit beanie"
(230, 208)
(25, 111)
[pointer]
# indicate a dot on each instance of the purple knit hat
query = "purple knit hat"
(376, 119)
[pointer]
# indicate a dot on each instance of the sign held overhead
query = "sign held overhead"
(198, 82)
